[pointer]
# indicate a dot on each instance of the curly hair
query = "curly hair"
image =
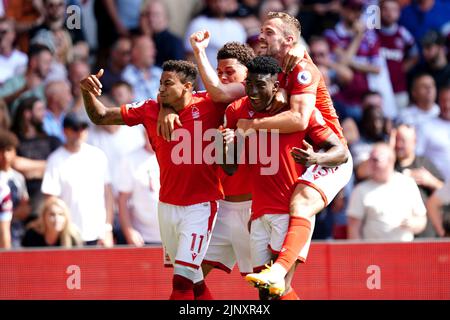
(186, 69)
(235, 50)
(264, 65)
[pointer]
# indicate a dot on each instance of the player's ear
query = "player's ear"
(188, 86)
(276, 85)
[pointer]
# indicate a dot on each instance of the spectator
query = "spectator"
(423, 97)
(32, 82)
(119, 59)
(88, 21)
(398, 48)
(78, 70)
(55, 23)
(222, 29)
(423, 15)
(155, 23)
(142, 74)
(421, 169)
(53, 228)
(434, 141)
(357, 48)
(339, 74)
(34, 146)
(318, 15)
(372, 131)
(68, 169)
(12, 62)
(17, 186)
(435, 59)
(438, 210)
(138, 184)
(26, 15)
(58, 98)
(388, 206)
(5, 214)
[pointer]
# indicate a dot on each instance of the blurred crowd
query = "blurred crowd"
(71, 183)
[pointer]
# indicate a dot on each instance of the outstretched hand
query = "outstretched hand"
(92, 83)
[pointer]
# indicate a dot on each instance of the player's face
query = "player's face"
(271, 38)
(230, 71)
(261, 89)
(390, 12)
(171, 89)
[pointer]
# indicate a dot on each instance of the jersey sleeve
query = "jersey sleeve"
(318, 130)
(230, 119)
(135, 113)
(304, 79)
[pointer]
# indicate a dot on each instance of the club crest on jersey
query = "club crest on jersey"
(195, 112)
(251, 113)
(304, 77)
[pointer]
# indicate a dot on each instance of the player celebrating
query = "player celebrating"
(272, 192)
(320, 183)
(189, 189)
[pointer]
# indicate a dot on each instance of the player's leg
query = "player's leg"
(220, 253)
(169, 217)
(276, 228)
(289, 293)
(315, 188)
(240, 236)
(194, 235)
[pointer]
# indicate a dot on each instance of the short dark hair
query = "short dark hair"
(263, 65)
(235, 50)
(186, 69)
(36, 49)
(121, 83)
(8, 140)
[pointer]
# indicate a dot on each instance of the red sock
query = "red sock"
(291, 295)
(201, 291)
(182, 288)
(297, 236)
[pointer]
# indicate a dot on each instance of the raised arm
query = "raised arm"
(219, 92)
(293, 120)
(99, 114)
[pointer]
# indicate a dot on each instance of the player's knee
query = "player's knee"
(305, 202)
(195, 275)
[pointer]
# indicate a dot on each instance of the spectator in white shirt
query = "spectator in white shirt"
(138, 183)
(434, 139)
(78, 174)
(12, 61)
(388, 206)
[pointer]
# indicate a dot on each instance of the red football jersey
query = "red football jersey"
(307, 78)
(186, 178)
(274, 174)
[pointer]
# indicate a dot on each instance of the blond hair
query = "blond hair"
(69, 236)
(291, 25)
